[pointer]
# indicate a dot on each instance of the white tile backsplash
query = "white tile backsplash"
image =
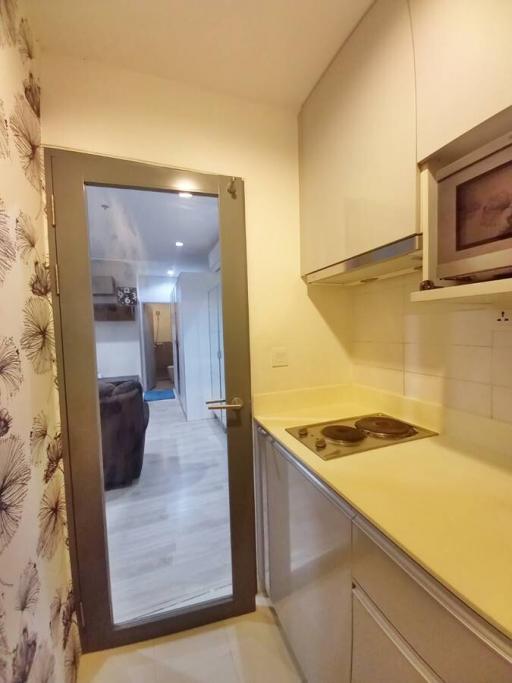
(502, 403)
(502, 336)
(450, 360)
(379, 354)
(424, 387)
(470, 397)
(456, 356)
(470, 327)
(425, 359)
(380, 378)
(502, 366)
(471, 363)
(378, 313)
(427, 326)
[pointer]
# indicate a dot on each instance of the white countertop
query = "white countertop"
(447, 504)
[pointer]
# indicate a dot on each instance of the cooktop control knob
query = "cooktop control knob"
(320, 443)
(303, 431)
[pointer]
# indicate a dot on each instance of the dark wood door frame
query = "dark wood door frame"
(67, 174)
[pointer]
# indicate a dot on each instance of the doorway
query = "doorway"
(159, 466)
(157, 350)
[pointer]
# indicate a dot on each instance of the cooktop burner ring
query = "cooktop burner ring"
(344, 434)
(384, 427)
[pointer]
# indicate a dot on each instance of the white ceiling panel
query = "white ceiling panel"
(143, 226)
(271, 51)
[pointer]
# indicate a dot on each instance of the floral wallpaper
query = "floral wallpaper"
(39, 641)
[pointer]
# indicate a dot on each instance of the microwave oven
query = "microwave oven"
(474, 215)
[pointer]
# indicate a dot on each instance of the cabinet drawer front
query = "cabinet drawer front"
(452, 650)
(378, 651)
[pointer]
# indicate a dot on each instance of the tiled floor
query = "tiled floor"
(247, 649)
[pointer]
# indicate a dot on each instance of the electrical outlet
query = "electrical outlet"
(502, 319)
(279, 357)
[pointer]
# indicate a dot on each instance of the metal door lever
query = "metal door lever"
(220, 404)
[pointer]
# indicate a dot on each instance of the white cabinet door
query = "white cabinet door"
(463, 66)
(358, 174)
(310, 579)
(379, 653)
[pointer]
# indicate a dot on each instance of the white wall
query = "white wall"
(123, 272)
(162, 322)
(99, 109)
(194, 342)
(154, 288)
(117, 348)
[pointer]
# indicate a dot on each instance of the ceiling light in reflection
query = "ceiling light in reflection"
(185, 195)
(170, 272)
(179, 244)
(185, 184)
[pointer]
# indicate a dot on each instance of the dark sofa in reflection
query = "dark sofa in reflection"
(124, 417)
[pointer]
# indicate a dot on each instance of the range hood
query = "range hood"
(396, 258)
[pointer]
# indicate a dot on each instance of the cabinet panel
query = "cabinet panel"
(310, 578)
(379, 653)
(463, 66)
(446, 644)
(358, 175)
(261, 443)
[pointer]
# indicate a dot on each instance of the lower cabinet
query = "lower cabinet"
(379, 652)
(353, 607)
(456, 649)
(309, 566)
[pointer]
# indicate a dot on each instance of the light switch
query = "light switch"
(279, 357)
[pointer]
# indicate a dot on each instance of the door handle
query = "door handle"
(220, 404)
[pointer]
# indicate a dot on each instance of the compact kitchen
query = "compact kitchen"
(383, 504)
(384, 529)
(339, 511)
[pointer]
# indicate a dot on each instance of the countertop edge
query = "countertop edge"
(493, 633)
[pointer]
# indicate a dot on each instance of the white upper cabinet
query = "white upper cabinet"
(463, 66)
(358, 173)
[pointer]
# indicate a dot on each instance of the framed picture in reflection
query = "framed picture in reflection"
(127, 296)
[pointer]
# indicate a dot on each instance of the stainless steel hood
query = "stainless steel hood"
(396, 258)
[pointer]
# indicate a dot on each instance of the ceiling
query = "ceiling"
(143, 226)
(271, 51)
